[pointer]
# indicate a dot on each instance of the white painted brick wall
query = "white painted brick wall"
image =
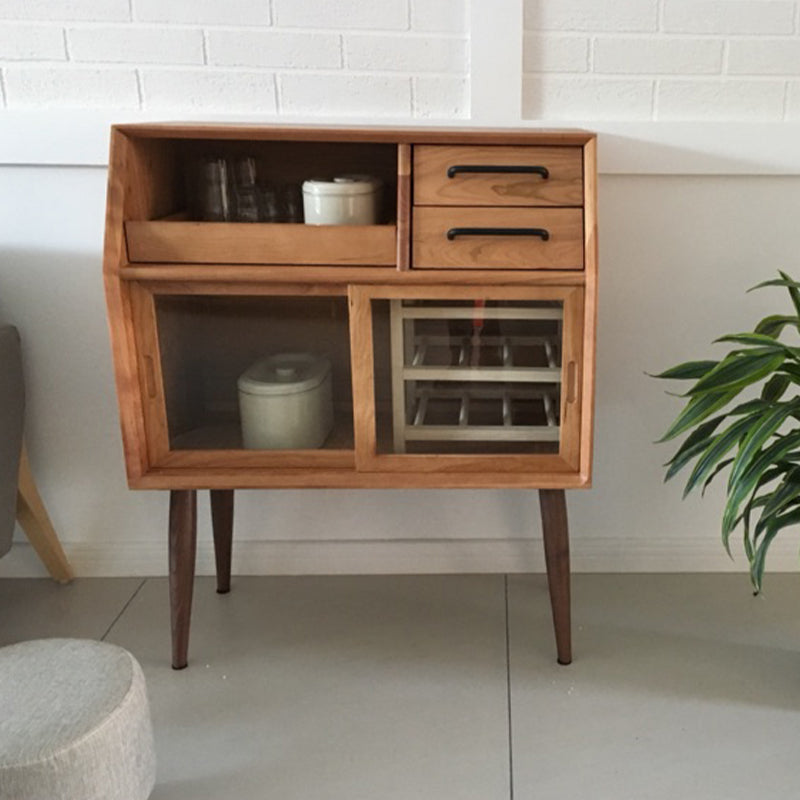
(720, 100)
(440, 97)
(591, 15)
(558, 97)
(404, 53)
(343, 14)
(732, 60)
(21, 42)
(439, 16)
(66, 10)
(203, 12)
(136, 45)
(770, 57)
(657, 56)
(793, 105)
(283, 49)
(196, 89)
(398, 58)
(555, 53)
(747, 17)
(581, 59)
(386, 95)
(48, 87)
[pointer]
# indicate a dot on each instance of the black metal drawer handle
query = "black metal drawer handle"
(542, 233)
(522, 169)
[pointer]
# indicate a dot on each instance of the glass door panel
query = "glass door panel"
(267, 373)
(474, 371)
(470, 376)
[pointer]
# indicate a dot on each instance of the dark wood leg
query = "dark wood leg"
(182, 551)
(222, 525)
(556, 552)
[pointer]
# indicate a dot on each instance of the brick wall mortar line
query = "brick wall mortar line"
(140, 89)
(277, 90)
(786, 89)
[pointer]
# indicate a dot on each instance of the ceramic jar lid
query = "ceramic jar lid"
(285, 373)
(342, 185)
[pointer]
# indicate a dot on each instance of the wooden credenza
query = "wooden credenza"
(460, 328)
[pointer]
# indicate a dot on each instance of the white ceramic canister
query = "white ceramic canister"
(345, 200)
(286, 402)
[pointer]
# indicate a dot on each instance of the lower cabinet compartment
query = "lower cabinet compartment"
(468, 377)
(283, 361)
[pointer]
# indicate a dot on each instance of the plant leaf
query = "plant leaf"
(758, 560)
(794, 290)
(721, 466)
(694, 444)
(792, 370)
(775, 387)
(745, 408)
(737, 372)
(775, 323)
(767, 477)
(758, 435)
(777, 500)
(696, 410)
(749, 481)
(766, 343)
(719, 448)
(689, 370)
(754, 502)
(784, 281)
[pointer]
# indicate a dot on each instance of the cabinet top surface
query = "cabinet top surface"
(421, 135)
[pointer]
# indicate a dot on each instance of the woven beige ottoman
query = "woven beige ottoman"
(74, 723)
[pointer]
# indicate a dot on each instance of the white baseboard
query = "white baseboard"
(678, 554)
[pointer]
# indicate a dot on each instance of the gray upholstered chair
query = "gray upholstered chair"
(12, 402)
(19, 498)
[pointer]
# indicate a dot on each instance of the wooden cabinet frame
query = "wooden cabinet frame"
(152, 249)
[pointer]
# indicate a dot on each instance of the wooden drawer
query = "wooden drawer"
(160, 241)
(497, 238)
(492, 175)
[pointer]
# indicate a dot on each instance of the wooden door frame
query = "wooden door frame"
(160, 455)
(567, 461)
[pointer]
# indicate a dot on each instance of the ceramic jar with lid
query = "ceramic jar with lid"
(344, 200)
(286, 402)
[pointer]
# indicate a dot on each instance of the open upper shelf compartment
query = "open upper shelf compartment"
(162, 177)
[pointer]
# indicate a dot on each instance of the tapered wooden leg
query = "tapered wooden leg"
(182, 552)
(34, 520)
(222, 525)
(553, 505)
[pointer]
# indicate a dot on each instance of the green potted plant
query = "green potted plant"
(742, 415)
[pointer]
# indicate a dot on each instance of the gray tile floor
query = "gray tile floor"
(683, 686)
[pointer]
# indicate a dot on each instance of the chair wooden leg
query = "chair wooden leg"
(556, 552)
(182, 554)
(222, 525)
(34, 520)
